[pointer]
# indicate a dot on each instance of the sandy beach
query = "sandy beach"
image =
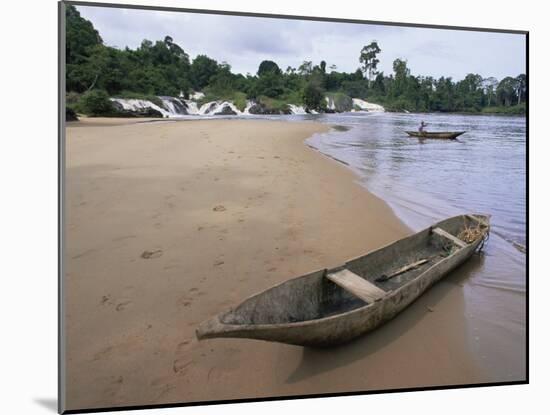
(169, 223)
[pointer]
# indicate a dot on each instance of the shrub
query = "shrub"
(96, 103)
(313, 96)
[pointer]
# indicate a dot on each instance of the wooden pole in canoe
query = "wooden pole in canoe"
(402, 270)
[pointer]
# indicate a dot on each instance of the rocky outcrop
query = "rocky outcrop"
(261, 109)
(226, 110)
(338, 102)
(211, 107)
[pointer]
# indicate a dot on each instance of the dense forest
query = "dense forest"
(96, 72)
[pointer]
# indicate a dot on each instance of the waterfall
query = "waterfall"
(298, 110)
(330, 103)
(173, 107)
(367, 106)
(192, 107)
(139, 105)
(249, 104)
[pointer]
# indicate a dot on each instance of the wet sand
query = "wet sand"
(170, 223)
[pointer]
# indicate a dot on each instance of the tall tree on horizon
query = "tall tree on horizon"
(489, 87)
(369, 61)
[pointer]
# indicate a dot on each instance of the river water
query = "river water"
(424, 181)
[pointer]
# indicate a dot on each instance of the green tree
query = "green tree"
(401, 73)
(506, 91)
(270, 80)
(470, 93)
(80, 36)
(202, 70)
(368, 58)
(223, 82)
(489, 88)
(269, 84)
(305, 68)
(378, 87)
(80, 41)
(269, 67)
(443, 98)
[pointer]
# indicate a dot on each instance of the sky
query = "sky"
(244, 42)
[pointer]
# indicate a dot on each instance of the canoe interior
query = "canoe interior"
(314, 296)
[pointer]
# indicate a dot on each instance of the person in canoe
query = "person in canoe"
(422, 125)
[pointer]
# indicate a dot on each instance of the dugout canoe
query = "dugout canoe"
(333, 306)
(445, 135)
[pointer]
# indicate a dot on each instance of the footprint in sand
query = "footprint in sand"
(123, 238)
(151, 254)
(182, 347)
(103, 353)
(219, 208)
(180, 365)
(121, 306)
(89, 251)
(169, 267)
(112, 385)
(184, 301)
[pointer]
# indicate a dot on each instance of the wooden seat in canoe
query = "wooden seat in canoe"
(454, 239)
(356, 285)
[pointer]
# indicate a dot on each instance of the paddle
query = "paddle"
(401, 270)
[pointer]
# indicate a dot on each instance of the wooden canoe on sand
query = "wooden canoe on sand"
(333, 306)
(445, 135)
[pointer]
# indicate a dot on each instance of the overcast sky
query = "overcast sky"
(244, 42)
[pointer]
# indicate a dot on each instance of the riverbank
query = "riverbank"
(168, 223)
